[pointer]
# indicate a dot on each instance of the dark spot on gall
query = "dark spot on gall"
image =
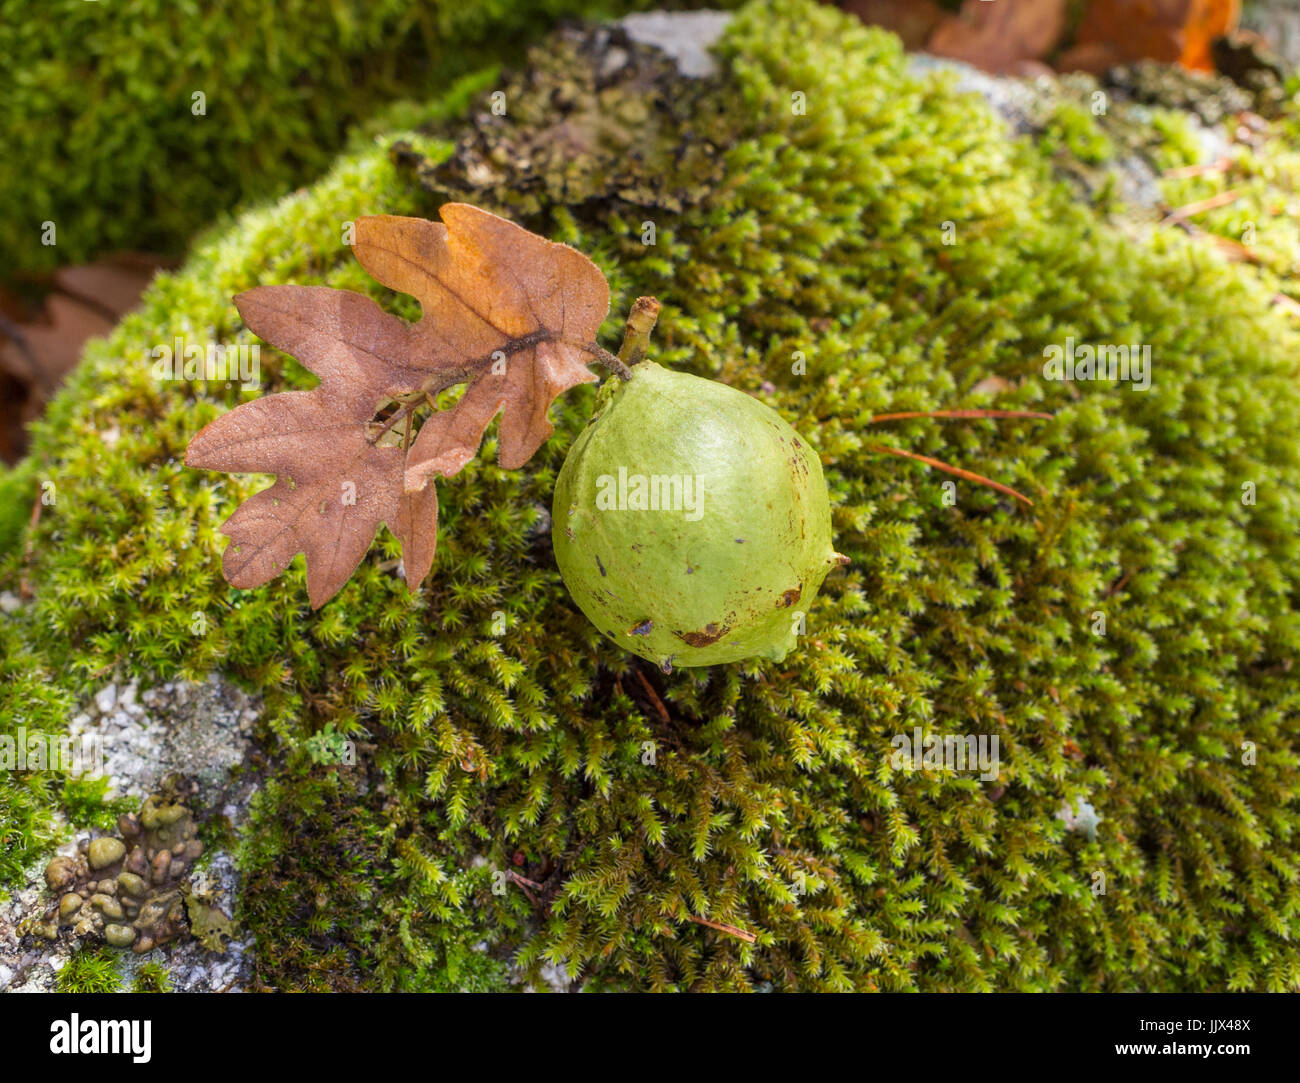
(711, 634)
(642, 629)
(601, 567)
(790, 597)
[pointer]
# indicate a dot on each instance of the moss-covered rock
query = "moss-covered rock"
(104, 136)
(527, 793)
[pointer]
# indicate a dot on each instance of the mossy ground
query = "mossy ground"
(103, 136)
(90, 970)
(771, 803)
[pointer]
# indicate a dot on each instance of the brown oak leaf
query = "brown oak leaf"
(999, 37)
(505, 311)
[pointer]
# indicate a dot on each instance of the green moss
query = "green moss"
(770, 802)
(342, 898)
(1076, 130)
(1177, 132)
(18, 492)
(104, 138)
(32, 704)
(86, 803)
(151, 978)
(1263, 213)
(90, 970)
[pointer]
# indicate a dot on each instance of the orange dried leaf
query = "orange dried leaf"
(1171, 31)
(484, 288)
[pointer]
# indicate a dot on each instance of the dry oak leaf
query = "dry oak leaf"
(508, 312)
(999, 36)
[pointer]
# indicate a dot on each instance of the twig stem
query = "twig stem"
(636, 340)
(609, 361)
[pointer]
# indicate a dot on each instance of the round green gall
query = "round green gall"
(691, 522)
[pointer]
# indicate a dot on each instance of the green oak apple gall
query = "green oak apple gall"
(691, 523)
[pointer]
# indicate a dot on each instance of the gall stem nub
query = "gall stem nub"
(636, 335)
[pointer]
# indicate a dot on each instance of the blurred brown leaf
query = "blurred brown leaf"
(42, 341)
(911, 20)
(999, 37)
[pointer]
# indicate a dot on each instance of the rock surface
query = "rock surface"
(684, 35)
(1278, 22)
(198, 731)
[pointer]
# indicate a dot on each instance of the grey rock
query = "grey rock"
(684, 35)
(200, 730)
(106, 698)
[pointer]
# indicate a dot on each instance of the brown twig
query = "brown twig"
(958, 414)
(956, 471)
(1219, 165)
(1233, 249)
(523, 881)
(1208, 204)
(722, 927)
(655, 701)
(609, 361)
(1116, 587)
(1230, 248)
(443, 378)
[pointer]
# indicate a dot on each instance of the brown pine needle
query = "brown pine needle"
(1288, 303)
(1119, 584)
(1229, 248)
(522, 880)
(956, 471)
(730, 930)
(654, 696)
(1219, 165)
(1220, 200)
(965, 415)
(1233, 249)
